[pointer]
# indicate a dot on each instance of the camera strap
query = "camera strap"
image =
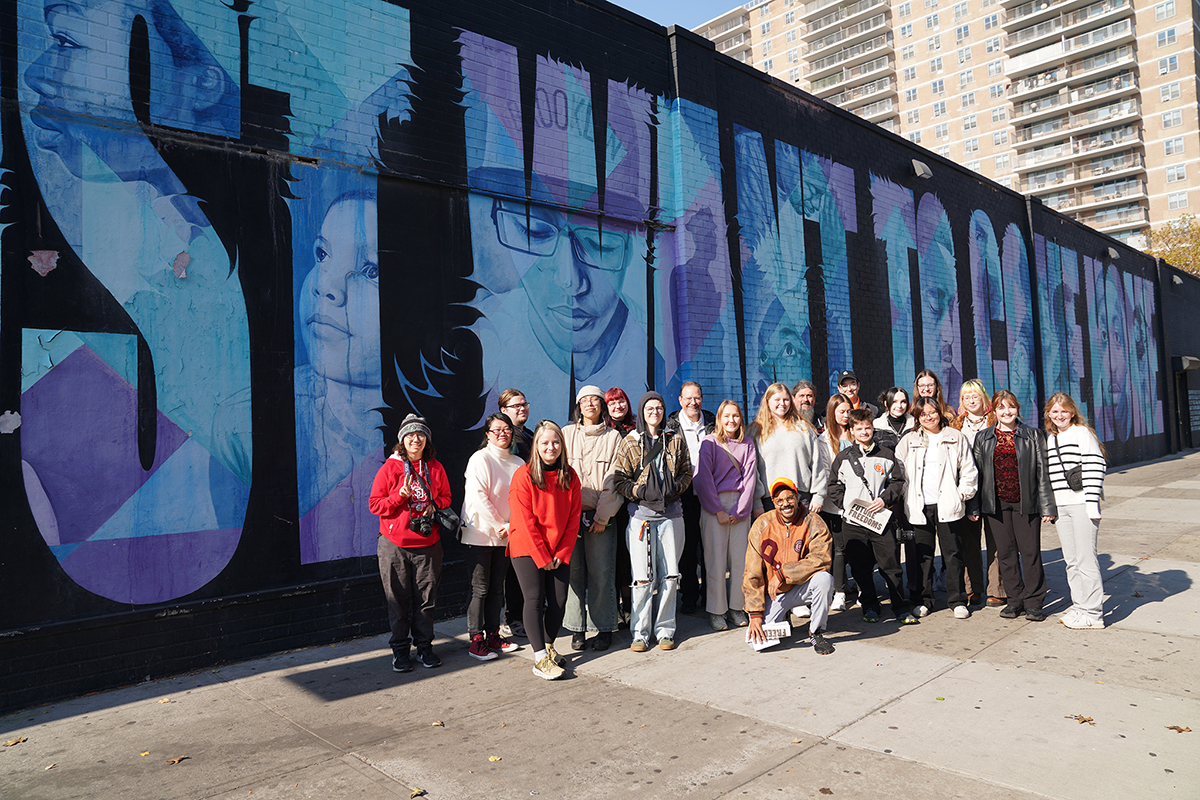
(856, 465)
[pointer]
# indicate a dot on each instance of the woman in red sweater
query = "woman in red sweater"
(545, 504)
(407, 487)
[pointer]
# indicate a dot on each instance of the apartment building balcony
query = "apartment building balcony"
(841, 14)
(813, 9)
(1121, 165)
(891, 124)
(733, 44)
(1089, 146)
(875, 90)
(873, 112)
(1019, 13)
(844, 37)
(848, 57)
(1057, 54)
(1111, 221)
(1066, 99)
(1094, 197)
(1090, 68)
(1066, 23)
(847, 77)
(740, 24)
(1077, 124)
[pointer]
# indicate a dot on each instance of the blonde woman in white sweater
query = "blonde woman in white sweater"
(1072, 443)
(485, 535)
(592, 596)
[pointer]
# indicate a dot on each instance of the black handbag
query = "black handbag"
(1074, 475)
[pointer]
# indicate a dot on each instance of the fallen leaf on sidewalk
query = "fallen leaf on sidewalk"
(1178, 729)
(826, 790)
(52, 766)
(165, 700)
(417, 792)
(795, 741)
(501, 724)
(146, 753)
(1081, 718)
(438, 724)
(18, 740)
(493, 758)
(1138, 594)
(177, 760)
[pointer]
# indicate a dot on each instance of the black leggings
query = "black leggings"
(542, 589)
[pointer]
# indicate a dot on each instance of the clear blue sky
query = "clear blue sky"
(686, 13)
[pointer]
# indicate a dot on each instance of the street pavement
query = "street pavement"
(983, 708)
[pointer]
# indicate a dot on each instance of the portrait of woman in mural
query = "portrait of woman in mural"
(95, 74)
(338, 377)
(1112, 345)
(939, 301)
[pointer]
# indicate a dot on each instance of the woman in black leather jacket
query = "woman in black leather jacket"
(1015, 498)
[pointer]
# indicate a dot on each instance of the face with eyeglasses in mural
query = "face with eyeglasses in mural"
(571, 267)
(339, 301)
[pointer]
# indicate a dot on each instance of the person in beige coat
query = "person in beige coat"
(942, 477)
(592, 598)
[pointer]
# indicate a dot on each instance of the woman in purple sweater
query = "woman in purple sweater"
(724, 483)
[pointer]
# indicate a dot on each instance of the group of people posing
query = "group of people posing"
(763, 517)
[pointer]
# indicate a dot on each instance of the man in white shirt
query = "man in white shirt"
(694, 423)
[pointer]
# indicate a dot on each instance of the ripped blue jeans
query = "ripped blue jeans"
(654, 549)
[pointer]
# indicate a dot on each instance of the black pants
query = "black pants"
(1018, 540)
(410, 578)
(838, 567)
(864, 550)
(488, 565)
(949, 536)
(514, 601)
(542, 588)
(623, 574)
(691, 560)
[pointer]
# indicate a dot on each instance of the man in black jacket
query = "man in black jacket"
(694, 423)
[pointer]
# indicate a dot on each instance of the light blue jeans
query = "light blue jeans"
(592, 600)
(654, 549)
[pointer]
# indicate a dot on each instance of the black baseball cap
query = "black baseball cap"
(846, 375)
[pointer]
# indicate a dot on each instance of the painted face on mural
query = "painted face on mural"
(339, 302)
(1115, 354)
(571, 268)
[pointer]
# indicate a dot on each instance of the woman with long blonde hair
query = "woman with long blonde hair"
(1077, 468)
(725, 480)
(788, 447)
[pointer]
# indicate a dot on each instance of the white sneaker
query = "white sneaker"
(839, 602)
(802, 612)
(962, 612)
(920, 611)
(1078, 622)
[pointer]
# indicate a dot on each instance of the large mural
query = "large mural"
(241, 241)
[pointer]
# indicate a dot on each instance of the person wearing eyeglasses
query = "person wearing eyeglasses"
(512, 404)
(485, 520)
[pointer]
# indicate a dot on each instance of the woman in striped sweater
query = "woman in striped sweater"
(1072, 443)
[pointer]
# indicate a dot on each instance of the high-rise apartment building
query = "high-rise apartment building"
(1089, 105)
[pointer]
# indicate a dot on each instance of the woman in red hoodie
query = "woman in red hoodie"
(545, 504)
(407, 487)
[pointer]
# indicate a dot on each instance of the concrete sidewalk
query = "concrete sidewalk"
(982, 708)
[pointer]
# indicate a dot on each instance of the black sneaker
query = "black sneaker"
(821, 645)
(1035, 615)
(427, 659)
(578, 640)
(401, 662)
(1008, 612)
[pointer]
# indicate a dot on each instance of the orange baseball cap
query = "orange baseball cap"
(783, 483)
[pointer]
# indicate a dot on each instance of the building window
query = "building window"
(939, 109)
(794, 74)
(970, 123)
(999, 138)
(941, 131)
(793, 55)
(966, 78)
(910, 73)
(974, 166)
(1002, 162)
(790, 37)
(764, 11)
(960, 11)
(908, 51)
(1172, 119)
(765, 28)
(962, 33)
(943, 151)
(938, 87)
(910, 95)
(1168, 65)
(915, 138)
(1169, 92)
(766, 48)
(995, 68)
(964, 55)
(992, 45)
(967, 101)
(904, 10)
(768, 65)
(931, 3)
(912, 117)
(1176, 173)
(1005, 181)
(931, 22)
(935, 66)
(1166, 38)
(971, 146)
(1164, 11)
(991, 21)
(1173, 147)
(995, 91)
(934, 43)
(789, 18)
(1177, 200)
(906, 31)
(999, 114)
